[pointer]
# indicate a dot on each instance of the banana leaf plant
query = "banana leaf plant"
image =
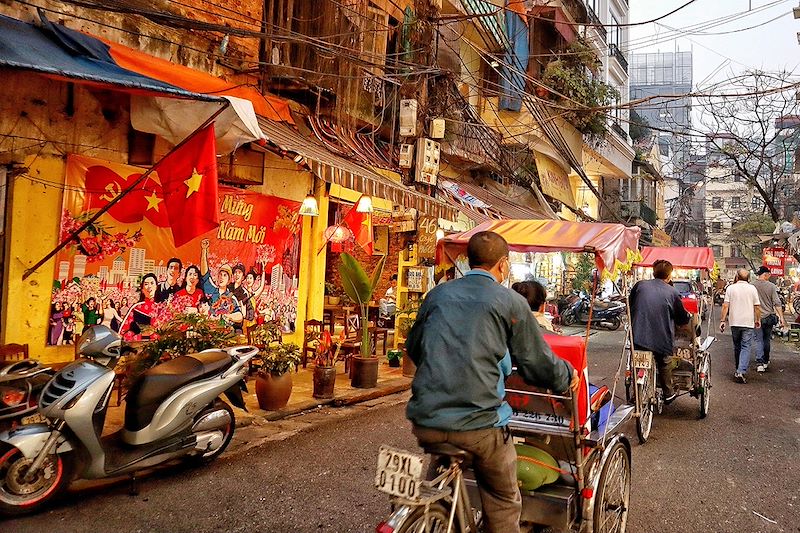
(360, 287)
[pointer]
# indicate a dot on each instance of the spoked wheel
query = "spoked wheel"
(612, 497)
(568, 319)
(19, 495)
(225, 432)
(705, 390)
(647, 407)
(434, 521)
(614, 324)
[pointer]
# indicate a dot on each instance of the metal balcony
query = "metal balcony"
(616, 53)
(638, 209)
(616, 128)
(596, 23)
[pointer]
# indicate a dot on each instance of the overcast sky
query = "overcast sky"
(772, 45)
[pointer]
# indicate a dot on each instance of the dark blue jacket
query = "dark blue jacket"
(467, 334)
(655, 309)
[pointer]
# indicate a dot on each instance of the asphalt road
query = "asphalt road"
(693, 475)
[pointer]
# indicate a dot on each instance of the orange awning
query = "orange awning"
(269, 106)
(680, 257)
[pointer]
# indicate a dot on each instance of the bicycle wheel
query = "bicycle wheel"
(705, 390)
(646, 398)
(434, 521)
(612, 497)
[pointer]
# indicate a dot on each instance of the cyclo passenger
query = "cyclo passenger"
(467, 334)
(656, 308)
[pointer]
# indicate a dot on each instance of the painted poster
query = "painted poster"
(124, 271)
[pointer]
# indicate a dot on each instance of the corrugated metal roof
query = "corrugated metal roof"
(335, 168)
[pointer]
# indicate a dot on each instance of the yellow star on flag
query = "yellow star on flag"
(153, 201)
(193, 183)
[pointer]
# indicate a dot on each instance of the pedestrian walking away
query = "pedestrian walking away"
(742, 308)
(771, 315)
(466, 336)
(656, 308)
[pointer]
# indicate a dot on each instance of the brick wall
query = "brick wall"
(397, 242)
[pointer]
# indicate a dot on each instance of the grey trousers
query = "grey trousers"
(495, 471)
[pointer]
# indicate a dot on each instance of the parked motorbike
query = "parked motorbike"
(606, 315)
(21, 383)
(173, 410)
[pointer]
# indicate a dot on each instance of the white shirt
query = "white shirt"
(741, 298)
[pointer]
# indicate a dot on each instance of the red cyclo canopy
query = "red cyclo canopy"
(687, 257)
(610, 243)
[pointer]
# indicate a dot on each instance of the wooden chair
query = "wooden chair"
(328, 319)
(352, 325)
(13, 352)
(312, 331)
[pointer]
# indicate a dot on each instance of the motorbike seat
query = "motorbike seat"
(448, 450)
(157, 383)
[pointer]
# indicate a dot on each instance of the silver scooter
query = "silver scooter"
(173, 410)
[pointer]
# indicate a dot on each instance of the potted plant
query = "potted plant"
(332, 294)
(394, 358)
(274, 379)
(326, 355)
(360, 287)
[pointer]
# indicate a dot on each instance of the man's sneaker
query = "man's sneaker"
(739, 378)
(671, 398)
(766, 366)
(761, 368)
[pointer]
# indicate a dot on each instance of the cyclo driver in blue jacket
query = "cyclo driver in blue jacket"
(467, 334)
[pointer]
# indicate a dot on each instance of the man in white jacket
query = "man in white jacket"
(743, 310)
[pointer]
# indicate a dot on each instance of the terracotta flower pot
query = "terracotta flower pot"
(409, 368)
(324, 380)
(334, 300)
(364, 372)
(272, 390)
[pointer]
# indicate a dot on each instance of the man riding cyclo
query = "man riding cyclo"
(656, 308)
(467, 335)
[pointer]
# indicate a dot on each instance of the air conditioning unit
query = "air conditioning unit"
(427, 164)
(406, 155)
(437, 128)
(408, 118)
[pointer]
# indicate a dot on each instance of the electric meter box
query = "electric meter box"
(437, 128)
(427, 163)
(406, 155)
(408, 118)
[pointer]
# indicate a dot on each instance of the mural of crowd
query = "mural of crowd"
(240, 295)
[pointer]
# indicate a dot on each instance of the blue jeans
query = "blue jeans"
(742, 340)
(762, 338)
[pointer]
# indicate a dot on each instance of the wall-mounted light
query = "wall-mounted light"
(309, 207)
(364, 204)
(439, 234)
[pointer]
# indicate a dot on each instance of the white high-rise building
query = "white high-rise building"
(149, 266)
(276, 277)
(63, 270)
(102, 273)
(136, 262)
(79, 266)
(161, 272)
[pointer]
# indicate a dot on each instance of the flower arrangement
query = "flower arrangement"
(97, 241)
(280, 359)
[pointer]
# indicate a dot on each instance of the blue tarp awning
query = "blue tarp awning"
(62, 53)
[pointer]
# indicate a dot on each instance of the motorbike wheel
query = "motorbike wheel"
(433, 521)
(208, 457)
(568, 319)
(615, 324)
(18, 496)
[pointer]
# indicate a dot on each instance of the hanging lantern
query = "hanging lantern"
(309, 207)
(337, 234)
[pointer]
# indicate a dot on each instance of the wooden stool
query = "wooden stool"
(375, 333)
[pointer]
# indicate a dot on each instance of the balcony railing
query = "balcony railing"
(619, 131)
(616, 53)
(638, 209)
(594, 20)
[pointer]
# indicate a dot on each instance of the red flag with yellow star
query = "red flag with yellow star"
(189, 182)
(361, 226)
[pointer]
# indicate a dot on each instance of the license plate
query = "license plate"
(642, 359)
(34, 419)
(399, 473)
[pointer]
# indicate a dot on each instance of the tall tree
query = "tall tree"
(752, 130)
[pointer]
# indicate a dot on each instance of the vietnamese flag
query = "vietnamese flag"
(189, 182)
(361, 226)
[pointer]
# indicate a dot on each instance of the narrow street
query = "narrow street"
(735, 471)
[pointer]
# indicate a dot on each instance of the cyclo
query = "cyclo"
(582, 460)
(690, 359)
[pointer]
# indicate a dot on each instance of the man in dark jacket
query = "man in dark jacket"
(656, 308)
(464, 340)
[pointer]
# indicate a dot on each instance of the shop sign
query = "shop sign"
(113, 259)
(426, 237)
(775, 260)
(458, 192)
(661, 238)
(555, 182)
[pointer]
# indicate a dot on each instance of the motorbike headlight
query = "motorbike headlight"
(11, 397)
